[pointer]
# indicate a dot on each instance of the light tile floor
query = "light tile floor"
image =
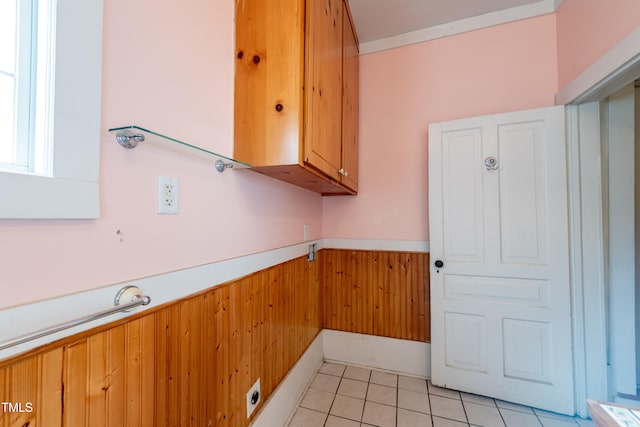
(348, 396)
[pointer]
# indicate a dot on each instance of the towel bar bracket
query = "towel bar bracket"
(129, 294)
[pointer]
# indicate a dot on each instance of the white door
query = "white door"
(500, 303)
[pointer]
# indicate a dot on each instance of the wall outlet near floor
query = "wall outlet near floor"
(167, 195)
(253, 397)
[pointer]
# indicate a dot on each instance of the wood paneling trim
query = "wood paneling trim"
(376, 293)
(191, 362)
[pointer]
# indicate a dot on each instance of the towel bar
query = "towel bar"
(132, 293)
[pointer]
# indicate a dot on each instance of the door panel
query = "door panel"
(522, 193)
(500, 304)
(527, 350)
(467, 344)
(497, 290)
(463, 231)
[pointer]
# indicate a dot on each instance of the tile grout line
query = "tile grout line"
(451, 398)
(575, 422)
(335, 394)
(365, 400)
(464, 409)
(430, 407)
(332, 401)
(397, 401)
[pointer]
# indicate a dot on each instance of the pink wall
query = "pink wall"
(587, 29)
(167, 66)
(504, 68)
(180, 82)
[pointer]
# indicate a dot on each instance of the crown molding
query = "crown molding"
(462, 26)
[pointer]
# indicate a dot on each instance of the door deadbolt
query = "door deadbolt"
(439, 263)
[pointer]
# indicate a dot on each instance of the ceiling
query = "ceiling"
(382, 20)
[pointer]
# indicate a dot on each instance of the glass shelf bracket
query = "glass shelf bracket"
(130, 136)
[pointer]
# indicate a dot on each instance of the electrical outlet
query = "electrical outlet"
(167, 195)
(305, 232)
(253, 397)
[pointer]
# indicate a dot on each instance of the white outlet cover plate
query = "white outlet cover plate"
(250, 406)
(167, 203)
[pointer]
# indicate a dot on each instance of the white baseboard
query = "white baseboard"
(387, 354)
(405, 357)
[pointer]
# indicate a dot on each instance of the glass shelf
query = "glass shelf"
(130, 136)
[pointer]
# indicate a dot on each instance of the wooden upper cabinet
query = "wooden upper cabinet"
(295, 93)
(269, 79)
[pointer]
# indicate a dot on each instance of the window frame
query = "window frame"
(25, 30)
(72, 192)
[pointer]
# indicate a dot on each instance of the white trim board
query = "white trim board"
(531, 10)
(615, 69)
(377, 245)
(587, 263)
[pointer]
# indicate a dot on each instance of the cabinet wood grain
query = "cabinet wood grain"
(289, 92)
(269, 80)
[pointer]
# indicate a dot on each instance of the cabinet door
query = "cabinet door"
(324, 86)
(269, 78)
(350, 72)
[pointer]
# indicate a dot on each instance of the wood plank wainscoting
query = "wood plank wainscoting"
(376, 293)
(191, 361)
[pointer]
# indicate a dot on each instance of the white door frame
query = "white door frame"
(587, 254)
(614, 70)
(618, 148)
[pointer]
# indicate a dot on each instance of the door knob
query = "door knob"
(439, 263)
